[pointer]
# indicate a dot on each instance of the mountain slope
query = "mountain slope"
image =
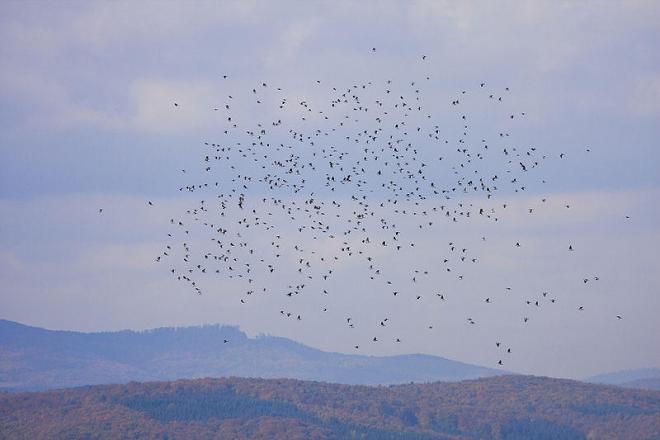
(503, 407)
(36, 359)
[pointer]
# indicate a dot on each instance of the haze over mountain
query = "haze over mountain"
(647, 378)
(33, 358)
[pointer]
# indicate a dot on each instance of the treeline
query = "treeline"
(511, 407)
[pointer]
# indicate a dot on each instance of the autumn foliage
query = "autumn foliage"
(505, 407)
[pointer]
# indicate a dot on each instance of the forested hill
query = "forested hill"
(503, 407)
(33, 359)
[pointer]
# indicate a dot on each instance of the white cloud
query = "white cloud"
(154, 108)
(292, 38)
(106, 24)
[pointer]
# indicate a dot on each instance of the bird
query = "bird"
(363, 176)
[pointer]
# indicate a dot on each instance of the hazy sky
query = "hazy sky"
(87, 122)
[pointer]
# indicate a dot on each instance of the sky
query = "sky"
(87, 121)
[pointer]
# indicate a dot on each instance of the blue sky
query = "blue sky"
(87, 121)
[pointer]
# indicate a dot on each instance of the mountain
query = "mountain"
(503, 407)
(645, 378)
(33, 358)
(651, 383)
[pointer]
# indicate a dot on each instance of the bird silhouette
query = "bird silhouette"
(285, 203)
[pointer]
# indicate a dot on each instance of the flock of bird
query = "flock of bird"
(293, 191)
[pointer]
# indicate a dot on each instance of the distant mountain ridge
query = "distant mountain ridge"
(33, 358)
(646, 378)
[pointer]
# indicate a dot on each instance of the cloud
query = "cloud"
(521, 42)
(292, 38)
(102, 25)
(52, 104)
(161, 106)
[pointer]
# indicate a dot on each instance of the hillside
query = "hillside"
(504, 407)
(33, 359)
